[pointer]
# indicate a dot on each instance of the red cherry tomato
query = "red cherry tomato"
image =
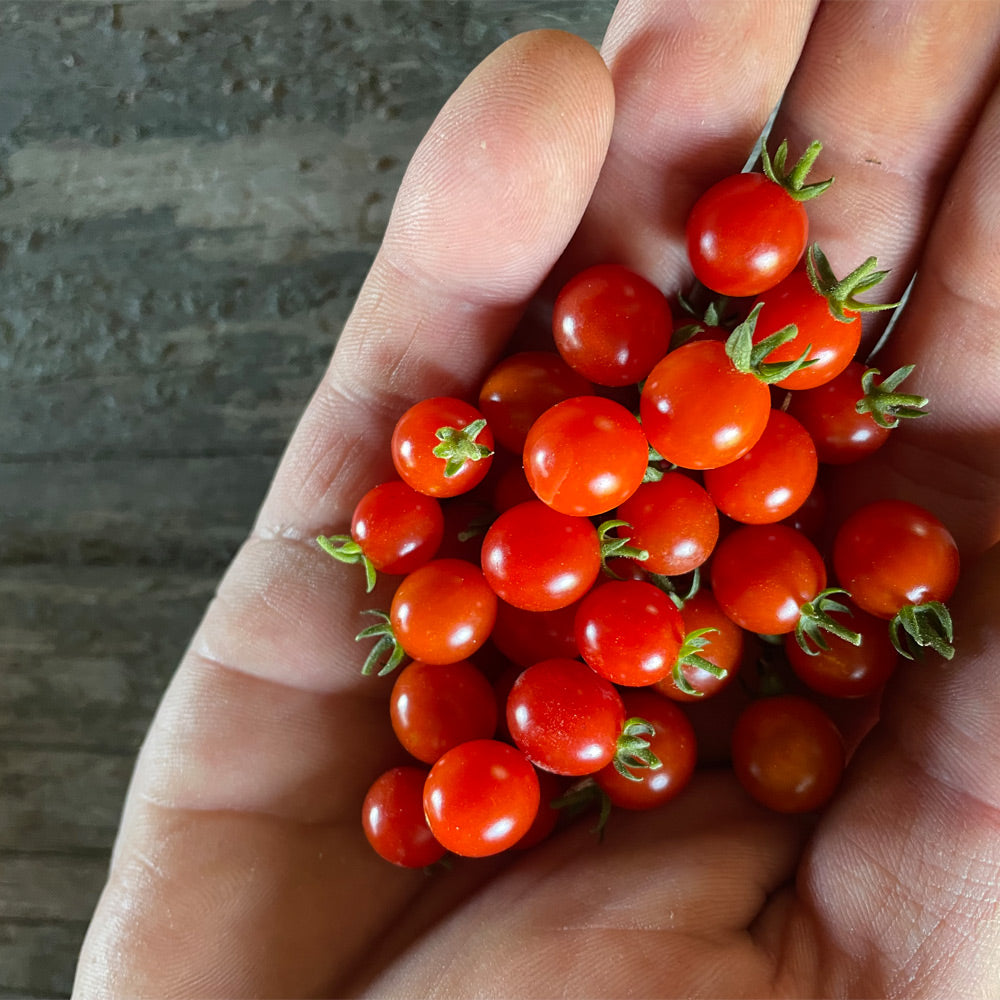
(629, 632)
(521, 388)
(772, 480)
(480, 798)
(443, 611)
(611, 325)
(585, 455)
(526, 637)
(538, 559)
(392, 818)
(565, 717)
(787, 754)
(415, 438)
(435, 706)
(674, 520)
(673, 742)
(762, 574)
(699, 411)
(745, 234)
(892, 553)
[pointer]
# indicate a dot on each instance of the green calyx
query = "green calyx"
(885, 405)
(815, 619)
(750, 358)
(842, 293)
(458, 446)
(633, 750)
(386, 648)
(689, 655)
(716, 314)
(615, 546)
(923, 626)
(581, 797)
(793, 181)
(344, 549)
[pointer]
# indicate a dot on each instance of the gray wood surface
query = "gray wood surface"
(190, 194)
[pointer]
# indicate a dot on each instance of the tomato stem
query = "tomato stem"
(617, 546)
(689, 655)
(750, 358)
(345, 549)
(458, 446)
(923, 625)
(387, 645)
(580, 797)
(885, 405)
(815, 619)
(793, 181)
(633, 749)
(841, 293)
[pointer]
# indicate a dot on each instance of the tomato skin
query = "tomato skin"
(772, 480)
(565, 717)
(397, 528)
(414, 440)
(762, 574)
(480, 798)
(585, 455)
(834, 342)
(673, 742)
(520, 388)
(443, 611)
(787, 753)
(629, 632)
(435, 706)
(551, 787)
(745, 234)
(537, 559)
(526, 637)
(699, 411)
(611, 325)
(841, 434)
(393, 821)
(674, 520)
(893, 553)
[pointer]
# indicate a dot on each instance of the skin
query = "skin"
(241, 868)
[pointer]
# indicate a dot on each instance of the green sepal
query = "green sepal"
(841, 293)
(689, 656)
(815, 619)
(669, 586)
(750, 358)
(458, 446)
(924, 626)
(793, 181)
(581, 797)
(387, 644)
(614, 546)
(344, 549)
(885, 405)
(633, 749)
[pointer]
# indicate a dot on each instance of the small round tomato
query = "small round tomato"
(585, 455)
(393, 820)
(674, 520)
(629, 632)
(527, 637)
(787, 753)
(699, 410)
(480, 798)
(772, 480)
(521, 388)
(443, 611)
(611, 325)
(397, 528)
(442, 446)
(538, 559)
(435, 706)
(672, 741)
(565, 717)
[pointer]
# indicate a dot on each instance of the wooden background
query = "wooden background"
(191, 192)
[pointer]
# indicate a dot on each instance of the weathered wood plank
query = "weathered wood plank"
(50, 887)
(37, 959)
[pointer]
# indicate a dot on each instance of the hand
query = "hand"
(241, 867)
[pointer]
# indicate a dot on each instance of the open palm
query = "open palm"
(241, 868)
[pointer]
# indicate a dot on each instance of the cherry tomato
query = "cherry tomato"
(397, 528)
(699, 411)
(844, 670)
(538, 559)
(673, 742)
(435, 706)
(521, 388)
(443, 611)
(674, 520)
(629, 632)
(787, 753)
(745, 234)
(415, 439)
(762, 574)
(526, 637)
(565, 717)
(585, 455)
(392, 818)
(480, 798)
(892, 553)
(611, 325)
(772, 480)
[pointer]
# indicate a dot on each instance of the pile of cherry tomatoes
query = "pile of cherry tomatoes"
(621, 527)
